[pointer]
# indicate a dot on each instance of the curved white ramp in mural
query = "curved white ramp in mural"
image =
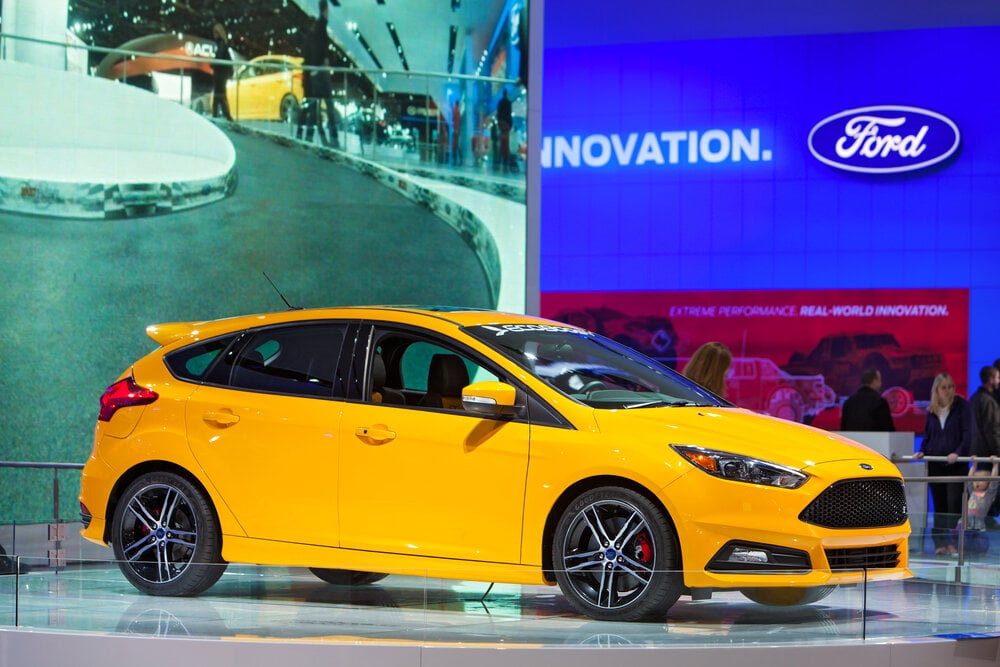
(74, 146)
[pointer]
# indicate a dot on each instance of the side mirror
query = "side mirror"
(489, 398)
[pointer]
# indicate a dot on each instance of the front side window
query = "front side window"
(409, 369)
(592, 369)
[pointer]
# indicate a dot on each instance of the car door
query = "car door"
(424, 479)
(265, 431)
(274, 84)
(244, 103)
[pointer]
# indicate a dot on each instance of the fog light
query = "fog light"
(747, 555)
(750, 557)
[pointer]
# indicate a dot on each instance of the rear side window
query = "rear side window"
(194, 361)
(299, 360)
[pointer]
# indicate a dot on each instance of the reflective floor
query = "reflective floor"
(290, 603)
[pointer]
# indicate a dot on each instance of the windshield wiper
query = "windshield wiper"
(659, 403)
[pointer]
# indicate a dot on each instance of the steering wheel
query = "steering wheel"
(591, 387)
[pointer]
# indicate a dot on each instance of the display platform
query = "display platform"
(87, 612)
(81, 147)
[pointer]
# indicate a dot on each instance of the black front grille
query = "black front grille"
(859, 503)
(865, 558)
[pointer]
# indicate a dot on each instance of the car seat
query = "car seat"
(381, 393)
(446, 378)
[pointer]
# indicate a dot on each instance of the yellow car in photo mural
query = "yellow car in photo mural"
(477, 445)
(266, 88)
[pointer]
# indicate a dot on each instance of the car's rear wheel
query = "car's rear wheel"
(166, 536)
(347, 577)
(787, 597)
(288, 110)
(616, 557)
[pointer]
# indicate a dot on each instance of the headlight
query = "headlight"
(742, 468)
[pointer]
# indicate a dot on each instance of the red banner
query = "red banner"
(796, 353)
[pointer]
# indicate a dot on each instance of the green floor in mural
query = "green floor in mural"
(79, 293)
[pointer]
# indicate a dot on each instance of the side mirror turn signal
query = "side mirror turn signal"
(489, 398)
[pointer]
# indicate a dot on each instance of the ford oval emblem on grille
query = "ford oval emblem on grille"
(867, 466)
(884, 139)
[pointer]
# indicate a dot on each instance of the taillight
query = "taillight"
(123, 394)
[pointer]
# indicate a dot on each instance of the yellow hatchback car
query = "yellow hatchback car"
(478, 445)
(267, 88)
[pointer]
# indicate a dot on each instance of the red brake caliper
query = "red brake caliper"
(643, 548)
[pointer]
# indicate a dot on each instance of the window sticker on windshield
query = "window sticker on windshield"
(501, 329)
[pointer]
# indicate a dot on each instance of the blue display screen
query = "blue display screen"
(854, 160)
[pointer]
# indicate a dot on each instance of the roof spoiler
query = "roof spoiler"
(171, 331)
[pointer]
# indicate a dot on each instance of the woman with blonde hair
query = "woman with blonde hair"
(947, 433)
(708, 367)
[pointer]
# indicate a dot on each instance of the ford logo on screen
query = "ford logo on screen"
(883, 139)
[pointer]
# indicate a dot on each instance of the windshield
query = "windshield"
(592, 369)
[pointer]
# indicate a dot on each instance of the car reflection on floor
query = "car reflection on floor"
(290, 603)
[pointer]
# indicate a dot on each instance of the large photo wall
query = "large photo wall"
(98, 239)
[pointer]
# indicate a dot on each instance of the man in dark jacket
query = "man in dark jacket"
(986, 441)
(221, 72)
(866, 410)
(318, 84)
(986, 436)
(996, 392)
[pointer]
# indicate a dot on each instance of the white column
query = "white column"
(36, 19)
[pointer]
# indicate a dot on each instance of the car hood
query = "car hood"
(734, 430)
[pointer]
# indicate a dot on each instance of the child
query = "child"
(981, 496)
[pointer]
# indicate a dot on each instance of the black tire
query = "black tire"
(347, 577)
(787, 597)
(616, 556)
(166, 536)
(288, 109)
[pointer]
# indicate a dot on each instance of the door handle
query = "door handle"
(221, 418)
(377, 435)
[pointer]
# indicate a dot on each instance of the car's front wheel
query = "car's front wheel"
(347, 577)
(616, 556)
(166, 536)
(787, 597)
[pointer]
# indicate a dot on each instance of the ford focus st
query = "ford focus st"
(477, 445)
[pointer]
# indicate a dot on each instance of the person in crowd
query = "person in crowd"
(318, 84)
(505, 119)
(986, 412)
(866, 409)
(456, 134)
(709, 365)
(495, 144)
(996, 392)
(981, 493)
(221, 72)
(947, 434)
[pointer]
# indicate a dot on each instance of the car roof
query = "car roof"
(168, 332)
(276, 57)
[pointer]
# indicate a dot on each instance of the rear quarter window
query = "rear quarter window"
(194, 361)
